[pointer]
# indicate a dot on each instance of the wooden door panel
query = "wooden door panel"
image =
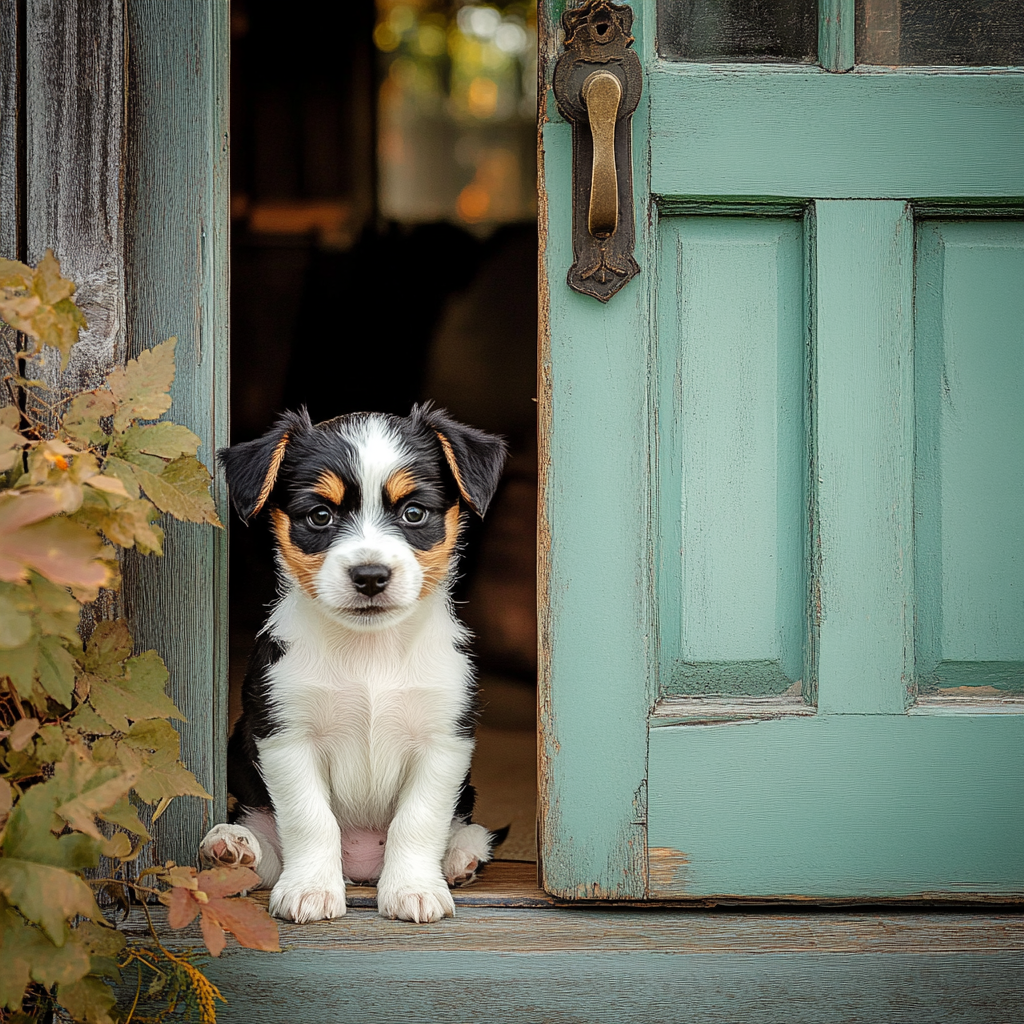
(803, 133)
(969, 484)
(838, 806)
(732, 590)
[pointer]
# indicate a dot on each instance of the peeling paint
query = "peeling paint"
(667, 871)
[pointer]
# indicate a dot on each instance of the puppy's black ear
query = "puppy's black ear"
(475, 458)
(252, 466)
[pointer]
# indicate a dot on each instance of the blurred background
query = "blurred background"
(384, 251)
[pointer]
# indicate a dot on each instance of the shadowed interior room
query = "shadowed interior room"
(383, 252)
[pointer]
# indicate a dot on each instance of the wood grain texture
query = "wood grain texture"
(969, 469)
(836, 34)
(75, 143)
(868, 806)
(812, 134)
(732, 454)
(11, 240)
(583, 966)
(595, 509)
(864, 456)
(177, 229)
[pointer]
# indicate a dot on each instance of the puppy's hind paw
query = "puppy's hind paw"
(469, 848)
(229, 846)
(423, 903)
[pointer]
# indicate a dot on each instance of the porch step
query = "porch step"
(569, 965)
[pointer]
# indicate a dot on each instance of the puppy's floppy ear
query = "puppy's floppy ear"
(252, 466)
(475, 458)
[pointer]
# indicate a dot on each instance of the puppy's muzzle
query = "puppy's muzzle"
(370, 580)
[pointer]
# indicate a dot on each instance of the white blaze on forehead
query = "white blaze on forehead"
(380, 453)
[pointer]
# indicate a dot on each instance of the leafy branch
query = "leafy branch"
(85, 722)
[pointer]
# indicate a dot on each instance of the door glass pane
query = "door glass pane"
(738, 30)
(944, 32)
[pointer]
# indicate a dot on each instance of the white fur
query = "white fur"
(367, 697)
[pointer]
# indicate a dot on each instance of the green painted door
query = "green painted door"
(782, 526)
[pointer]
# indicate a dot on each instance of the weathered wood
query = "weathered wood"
(864, 456)
(177, 229)
(836, 34)
(785, 132)
(11, 240)
(74, 111)
(595, 518)
(869, 806)
(574, 966)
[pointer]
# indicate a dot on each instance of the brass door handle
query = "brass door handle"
(601, 94)
(597, 85)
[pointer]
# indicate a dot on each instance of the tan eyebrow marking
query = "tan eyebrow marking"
(399, 485)
(276, 458)
(302, 567)
(436, 561)
(331, 487)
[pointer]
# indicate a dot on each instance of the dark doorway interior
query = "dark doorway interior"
(384, 252)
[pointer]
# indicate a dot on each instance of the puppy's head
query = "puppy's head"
(366, 509)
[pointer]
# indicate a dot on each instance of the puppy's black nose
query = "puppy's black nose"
(370, 579)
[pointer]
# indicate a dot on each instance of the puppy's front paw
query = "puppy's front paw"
(422, 902)
(228, 846)
(303, 901)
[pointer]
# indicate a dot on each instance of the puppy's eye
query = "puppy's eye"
(415, 514)
(320, 516)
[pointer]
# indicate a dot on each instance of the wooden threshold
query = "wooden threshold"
(624, 965)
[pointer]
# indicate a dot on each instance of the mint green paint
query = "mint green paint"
(864, 455)
(836, 34)
(176, 215)
(596, 498)
(969, 486)
(852, 805)
(778, 131)
(731, 453)
(773, 205)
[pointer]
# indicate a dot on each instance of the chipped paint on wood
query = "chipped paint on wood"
(667, 869)
(625, 967)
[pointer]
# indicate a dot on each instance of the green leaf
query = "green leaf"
(141, 386)
(157, 746)
(51, 744)
(139, 695)
(125, 472)
(109, 646)
(15, 625)
(19, 665)
(123, 813)
(81, 421)
(25, 952)
(89, 1000)
(57, 613)
(131, 524)
(56, 670)
(87, 722)
(46, 895)
(42, 308)
(182, 489)
(166, 440)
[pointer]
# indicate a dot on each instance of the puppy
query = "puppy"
(351, 759)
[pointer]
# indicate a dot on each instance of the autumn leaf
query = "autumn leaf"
(251, 925)
(33, 537)
(138, 694)
(155, 746)
(165, 440)
(40, 305)
(182, 489)
(27, 954)
(56, 669)
(141, 386)
(81, 421)
(89, 999)
(11, 441)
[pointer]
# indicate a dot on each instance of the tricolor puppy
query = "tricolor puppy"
(351, 759)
